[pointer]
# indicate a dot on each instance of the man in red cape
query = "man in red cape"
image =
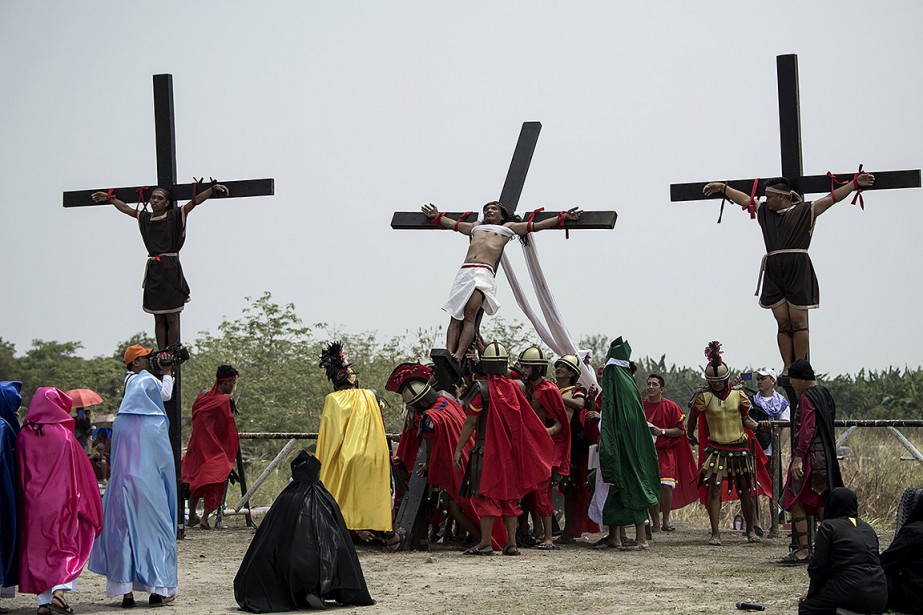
(512, 451)
(439, 420)
(61, 511)
(678, 471)
(213, 445)
(546, 400)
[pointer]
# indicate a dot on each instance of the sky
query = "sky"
(360, 109)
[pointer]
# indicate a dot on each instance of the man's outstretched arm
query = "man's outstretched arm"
(432, 212)
(863, 180)
(206, 194)
(741, 198)
(122, 206)
(524, 228)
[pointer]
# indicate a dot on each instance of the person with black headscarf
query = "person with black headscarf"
(302, 554)
(845, 571)
(903, 560)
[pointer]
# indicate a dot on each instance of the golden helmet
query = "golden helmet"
(533, 355)
(570, 361)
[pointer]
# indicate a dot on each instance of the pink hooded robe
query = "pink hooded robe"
(60, 507)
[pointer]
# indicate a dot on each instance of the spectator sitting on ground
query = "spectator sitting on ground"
(902, 561)
(845, 571)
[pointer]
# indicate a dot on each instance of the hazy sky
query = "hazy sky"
(359, 109)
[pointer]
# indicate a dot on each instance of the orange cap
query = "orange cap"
(133, 352)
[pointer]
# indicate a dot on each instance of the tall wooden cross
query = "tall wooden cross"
(790, 136)
(509, 197)
(792, 168)
(165, 139)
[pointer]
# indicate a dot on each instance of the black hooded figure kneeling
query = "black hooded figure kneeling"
(302, 555)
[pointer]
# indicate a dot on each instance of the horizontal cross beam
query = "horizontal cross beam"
(410, 220)
(811, 184)
(182, 192)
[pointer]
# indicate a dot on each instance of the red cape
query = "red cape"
(408, 447)
(60, 504)
(447, 417)
(214, 441)
(687, 470)
(517, 447)
(549, 396)
(762, 474)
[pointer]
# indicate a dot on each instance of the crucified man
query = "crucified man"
(475, 288)
(163, 230)
(789, 285)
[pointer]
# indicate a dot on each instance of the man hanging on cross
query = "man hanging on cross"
(163, 230)
(475, 286)
(789, 285)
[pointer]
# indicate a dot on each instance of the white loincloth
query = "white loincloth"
(472, 277)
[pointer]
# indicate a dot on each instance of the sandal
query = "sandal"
(628, 542)
(158, 600)
(59, 605)
(43, 609)
(547, 546)
(475, 550)
(511, 550)
(754, 538)
(194, 520)
(714, 541)
(793, 560)
(668, 528)
(602, 543)
(566, 539)
(396, 540)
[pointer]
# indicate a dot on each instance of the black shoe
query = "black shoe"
(128, 602)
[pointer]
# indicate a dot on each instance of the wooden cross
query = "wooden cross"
(509, 195)
(165, 138)
(509, 198)
(790, 134)
(792, 169)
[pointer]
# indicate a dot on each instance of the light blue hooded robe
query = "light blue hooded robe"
(138, 543)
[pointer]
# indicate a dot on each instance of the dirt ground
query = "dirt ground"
(680, 574)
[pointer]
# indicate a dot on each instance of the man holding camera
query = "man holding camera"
(138, 359)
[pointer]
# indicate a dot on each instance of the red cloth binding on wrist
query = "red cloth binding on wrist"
(724, 199)
(460, 219)
(195, 186)
(561, 225)
(751, 204)
(855, 179)
(438, 218)
(110, 194)
(531, 219)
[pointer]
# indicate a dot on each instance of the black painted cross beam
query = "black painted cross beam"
(165, 139)
(509, 196)
(790, 133)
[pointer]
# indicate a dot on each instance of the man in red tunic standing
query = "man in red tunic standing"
(548, 404)
(212, 447)
(512, 451)
(678, 469)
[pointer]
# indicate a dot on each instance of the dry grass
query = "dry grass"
(874, 471)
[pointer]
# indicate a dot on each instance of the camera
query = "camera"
(175, 354)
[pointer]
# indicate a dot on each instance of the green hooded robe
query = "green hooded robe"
(627, 456)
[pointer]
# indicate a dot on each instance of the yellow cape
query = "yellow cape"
(355, 461)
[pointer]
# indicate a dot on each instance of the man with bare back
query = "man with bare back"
(475, 288)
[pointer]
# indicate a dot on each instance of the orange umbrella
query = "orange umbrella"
(84, 397)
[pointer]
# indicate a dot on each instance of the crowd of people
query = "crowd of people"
(493, 455)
